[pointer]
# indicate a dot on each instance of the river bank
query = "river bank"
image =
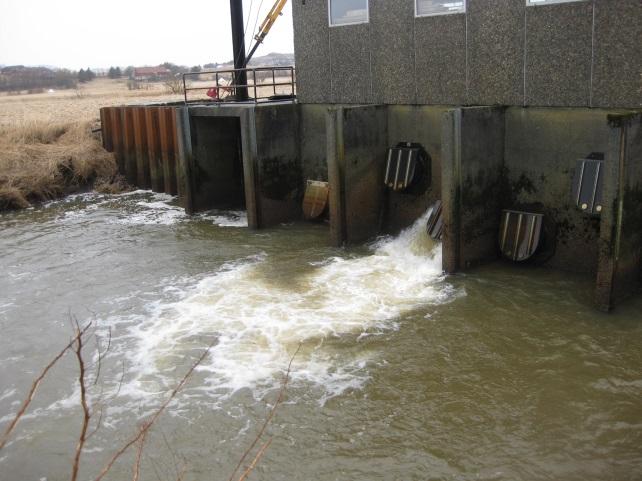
(44, 161)
(47, 148)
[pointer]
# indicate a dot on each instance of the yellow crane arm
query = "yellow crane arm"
(271, 17)
(267, 24)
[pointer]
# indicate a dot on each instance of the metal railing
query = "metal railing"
(220, 86)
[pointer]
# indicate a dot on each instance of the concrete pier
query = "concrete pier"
(357, 143)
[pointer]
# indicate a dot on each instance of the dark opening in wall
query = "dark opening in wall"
(218, 163)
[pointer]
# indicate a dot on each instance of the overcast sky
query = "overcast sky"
(87, 33)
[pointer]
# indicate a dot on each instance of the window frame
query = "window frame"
(543, 3)
(361, 22)
(421, 15)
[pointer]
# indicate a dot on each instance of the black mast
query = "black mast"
(238, 41)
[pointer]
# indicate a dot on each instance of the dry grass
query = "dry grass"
(47, 149)
(41, 161)
(82, 104)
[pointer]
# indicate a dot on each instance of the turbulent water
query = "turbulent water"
(400, 373)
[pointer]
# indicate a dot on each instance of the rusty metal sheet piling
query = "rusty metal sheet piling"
(153, 149)
(142, 154)
(167, 132)
(117, 138)
(129, 147)
(107, 128)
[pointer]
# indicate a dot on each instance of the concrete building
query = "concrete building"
(524, 106)
(545, 53)
(506, 96)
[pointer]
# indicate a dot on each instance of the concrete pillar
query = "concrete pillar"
(472, 176)
(153, 149)
(451, 188)
(184, 158)
(250, 155)
(278, 160)
(357, 145)
(618, 274)
(336, 158)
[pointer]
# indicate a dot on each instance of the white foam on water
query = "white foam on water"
(138, 207)
(258, 324)
(155, 209)
(232, 218)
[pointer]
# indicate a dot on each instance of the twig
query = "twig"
(154, 468)
(258, 456)
(182, 473)
(270, 416)
(172, 452)
(36, 383)
(139, 455)
(83, 402)
(98, 423)
(146, 426)
(101, 354)
(120, 383)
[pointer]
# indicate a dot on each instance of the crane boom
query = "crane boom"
(265, 27)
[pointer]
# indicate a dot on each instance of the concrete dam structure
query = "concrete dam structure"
(519, 121)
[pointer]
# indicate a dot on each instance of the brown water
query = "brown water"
(505, 373)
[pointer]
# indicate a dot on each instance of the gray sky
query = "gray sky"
(87, 33)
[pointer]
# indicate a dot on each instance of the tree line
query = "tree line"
(19, 77)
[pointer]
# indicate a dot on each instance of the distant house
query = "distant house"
(151, 74)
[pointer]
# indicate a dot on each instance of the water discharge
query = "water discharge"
(258, 323)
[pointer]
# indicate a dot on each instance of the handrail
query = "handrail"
(218, 92)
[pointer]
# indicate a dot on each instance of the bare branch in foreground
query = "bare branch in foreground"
(36, 383)
(256, 459)
(139, 455)
(83, 402)
(279, 399)
(146, 426)
(181, 475)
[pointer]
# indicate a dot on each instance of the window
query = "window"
(425, 8)
(548, 2)
(348, 12)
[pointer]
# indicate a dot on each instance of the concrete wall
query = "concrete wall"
(558, 54)
(542, 148)
(392, 56)
(577, 54)
(313, 141)
(250, 152)
(279, 180)
(472, 161)
(495, 50)
(422, 125)
(312, 51)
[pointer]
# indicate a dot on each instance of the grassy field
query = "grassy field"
(47, 148)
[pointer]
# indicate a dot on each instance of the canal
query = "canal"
(402, 373)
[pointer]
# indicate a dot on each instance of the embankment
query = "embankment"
(43, 160)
